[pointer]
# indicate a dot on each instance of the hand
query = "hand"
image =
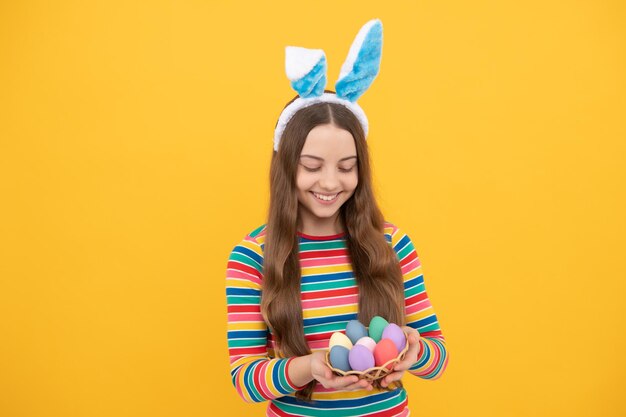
(322, 373)
(409, 359)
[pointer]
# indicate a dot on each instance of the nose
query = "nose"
(329, 180)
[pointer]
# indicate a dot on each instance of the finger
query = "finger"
(403, 365)
(414, 349)
(410, 330)
(361, 384)
(412, 337)
(344, 381)
(413, 334)
(392, 377)
(326, 378)
(409, 359)
(414, 346)
(410, 353)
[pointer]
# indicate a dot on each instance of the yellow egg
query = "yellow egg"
(339, 339)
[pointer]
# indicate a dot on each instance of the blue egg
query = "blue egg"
(339, 358)
(355, 330)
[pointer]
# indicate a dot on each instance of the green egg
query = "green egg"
(377, 325)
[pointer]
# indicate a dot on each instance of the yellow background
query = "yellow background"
(135, 140)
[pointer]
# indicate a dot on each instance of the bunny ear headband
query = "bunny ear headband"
(306, 69)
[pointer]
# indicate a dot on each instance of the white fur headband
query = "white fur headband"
(306, 69)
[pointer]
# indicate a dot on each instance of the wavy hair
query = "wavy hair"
(374, 263)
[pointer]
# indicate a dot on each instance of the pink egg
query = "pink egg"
(360, 358)
(385, 351)
(368, 342)
(396, 335)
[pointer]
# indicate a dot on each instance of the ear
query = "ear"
(306, 69)
(363, 62)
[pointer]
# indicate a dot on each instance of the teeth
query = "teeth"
(324, 197)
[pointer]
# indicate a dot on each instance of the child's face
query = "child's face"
(327, 173)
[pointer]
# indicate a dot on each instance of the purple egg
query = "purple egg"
(368, 342)
(360, 358)
(394, 333)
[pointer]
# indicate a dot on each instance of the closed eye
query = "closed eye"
(306, 168)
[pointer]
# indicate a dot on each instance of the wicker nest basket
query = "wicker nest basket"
(375, 374)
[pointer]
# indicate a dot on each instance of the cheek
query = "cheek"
(351, 182)
(304, 182)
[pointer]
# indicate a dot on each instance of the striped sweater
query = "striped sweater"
(329, 300)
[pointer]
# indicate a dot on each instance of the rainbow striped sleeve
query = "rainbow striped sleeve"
(255, 375)
(433, 357)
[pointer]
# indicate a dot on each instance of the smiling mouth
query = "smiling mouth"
(325, 197)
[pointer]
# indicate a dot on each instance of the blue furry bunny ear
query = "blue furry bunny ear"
(306, 69)
(363, 62)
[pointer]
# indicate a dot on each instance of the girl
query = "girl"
(324, 257)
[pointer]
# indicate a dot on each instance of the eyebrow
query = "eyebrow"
(321, 159)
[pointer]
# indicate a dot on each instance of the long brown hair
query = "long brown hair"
(374, 263)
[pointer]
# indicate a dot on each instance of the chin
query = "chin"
(322, 212)
(325, 215)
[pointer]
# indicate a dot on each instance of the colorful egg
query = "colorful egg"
(339, 358)
(368, 342)
(339, 339)
(361, 358)
(385, 351)
(394, 333)
(355, 330)
(377, 325)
